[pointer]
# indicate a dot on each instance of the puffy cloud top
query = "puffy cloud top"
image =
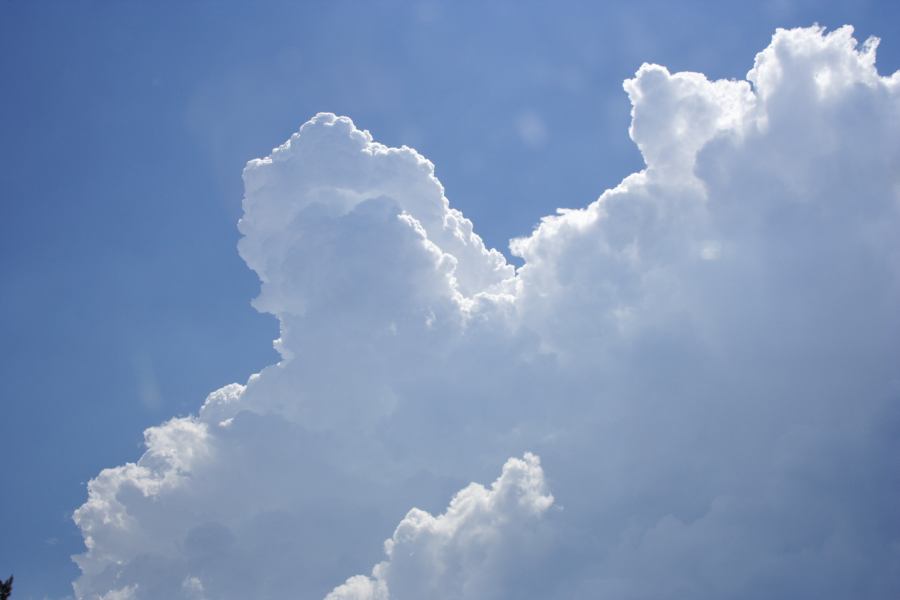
(470, 551)
(705, 358)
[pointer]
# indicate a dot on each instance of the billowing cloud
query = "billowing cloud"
(704, 358)
(477, 549)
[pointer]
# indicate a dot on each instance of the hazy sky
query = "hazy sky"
(754, 261)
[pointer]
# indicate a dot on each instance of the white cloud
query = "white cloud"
(704, 358)
(125, 593)
(476, 549)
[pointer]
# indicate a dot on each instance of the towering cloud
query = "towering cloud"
(705, 359)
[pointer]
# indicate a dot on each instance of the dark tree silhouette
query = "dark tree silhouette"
(6, 588)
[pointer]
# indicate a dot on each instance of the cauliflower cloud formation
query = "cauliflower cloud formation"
(467, 552)
(704, 358)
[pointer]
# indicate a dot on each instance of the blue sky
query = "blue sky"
(124, 128)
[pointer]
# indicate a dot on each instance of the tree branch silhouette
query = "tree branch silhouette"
(6, 588)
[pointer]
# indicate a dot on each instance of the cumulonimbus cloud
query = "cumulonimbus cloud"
(704, 358)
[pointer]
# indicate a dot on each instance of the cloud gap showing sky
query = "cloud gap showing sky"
(689, 388)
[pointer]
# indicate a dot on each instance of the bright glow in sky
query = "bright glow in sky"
(684, 386)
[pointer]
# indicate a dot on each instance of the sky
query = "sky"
(688, 388)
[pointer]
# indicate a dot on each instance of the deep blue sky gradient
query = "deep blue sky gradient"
(124, 127)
